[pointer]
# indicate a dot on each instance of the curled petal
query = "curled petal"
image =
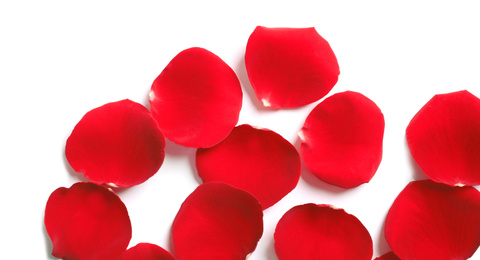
(217, 221)
(313, 231)
(259, 161)
(388, 256)
(87, 221)
(444, 138)
(290, 67)
(196, 99)
(342, 139)
(147, 251)
(430, 220)
(118, 144)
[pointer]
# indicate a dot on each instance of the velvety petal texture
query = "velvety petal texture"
(87, 221)
(147, 251)
(118, 144)
(430, 220)
(342, 139)
(311, 231)
(217, 221)
(388, 256)
(444, 138)
(257, 160)
(196, 99)
(290, 67)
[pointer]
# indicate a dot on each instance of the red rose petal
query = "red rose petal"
(196, 99)
(118, 144)
(342, 139)
(87, 221)
(290, 67)
(313, 231)
(217, 221)
(388, 256)
(429, 220)
(259, 161)
(444, 138)
(147, 251)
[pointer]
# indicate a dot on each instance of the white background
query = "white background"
(60, 59)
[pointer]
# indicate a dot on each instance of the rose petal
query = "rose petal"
(259, 161)
(429, 220)
(118, 144)
(290, 67)
(388, 256)
(196, 99)
(444, 138)
(217, 221)
(313, 231)
(87, 221)
(147, 251)
(342, 139)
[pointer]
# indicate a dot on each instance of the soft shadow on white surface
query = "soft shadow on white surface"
(270, 253)
(48, 242)
(417, 172)
(177, 150)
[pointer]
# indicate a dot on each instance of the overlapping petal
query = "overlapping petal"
(444, 138)
(313, 231)
(342, 139)
(217, 221)
(87, 221)
(290, 67)
(259, 161)
(147, 251)
(118, 144)
(196, 99)
(430, 220)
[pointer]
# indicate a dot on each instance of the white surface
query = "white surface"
(58, 60)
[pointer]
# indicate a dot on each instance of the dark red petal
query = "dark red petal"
(388, 256)
(444, 138)
(342, 139)
(147, 251)
(430, 220)
(196, 99)
(87, 221)
(313, 231)
(259, 161)
(217, 221)
(290, 67)
(118, 144)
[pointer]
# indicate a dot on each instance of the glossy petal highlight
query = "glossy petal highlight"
(342, 139)
(147, 251)
(259, 161)
(87, 221)
(290, 67)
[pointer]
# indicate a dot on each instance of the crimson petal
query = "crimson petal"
(388, 256)
(87, 221)
(444, 138)
(217, 221)
(196, 99)
(259, 161)
(118, 144)
(342, 139)
(147, 251)
(430, 220)
(313, 231)
(290, 67)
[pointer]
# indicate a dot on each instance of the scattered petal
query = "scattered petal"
(196, 99)
(430, 220)
(388, 256)
(290, 67)
(313, 231)
(87, 221)
(444, 138)
(343, 139)
(259, 161)
(217, 221)
(147, 251)
(118, 144)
